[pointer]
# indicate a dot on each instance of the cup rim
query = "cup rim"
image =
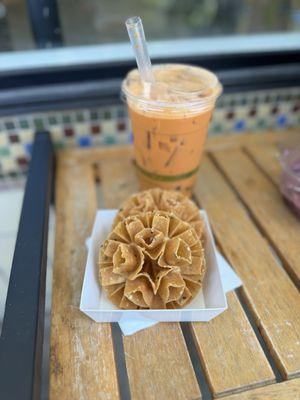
(204, 102)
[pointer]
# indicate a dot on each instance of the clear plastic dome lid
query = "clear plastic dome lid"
(175, 85)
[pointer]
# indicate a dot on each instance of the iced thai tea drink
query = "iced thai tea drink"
(169, 121)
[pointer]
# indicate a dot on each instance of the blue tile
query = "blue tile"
(240, 125)
(84, 141)
(28, 148)
(282, 120)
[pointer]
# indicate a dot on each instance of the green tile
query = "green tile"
(107, 114)
(24, 124)
(239, 101)
(94, 115)
(217, 128)
(4, 151)
(66, 119)
(261, 123)
(287, 97)
(52, 120)
(39, 124)
(220, 103)
(59, 145)
(9, 125)
(121, 112)
(110, 140)
(79, 117)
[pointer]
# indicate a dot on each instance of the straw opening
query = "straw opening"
(133, 21)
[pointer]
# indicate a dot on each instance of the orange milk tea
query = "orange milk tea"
(169, 121)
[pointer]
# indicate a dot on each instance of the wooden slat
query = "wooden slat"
(289, 390)
(264, 200)
(270, 294)
(230, 352)
(118, 179)
(157, 360)
(233, 140)
(158, 364)
(82, 360)
(266, 156)
(95, 154)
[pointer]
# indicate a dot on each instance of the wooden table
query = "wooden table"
(251, 351)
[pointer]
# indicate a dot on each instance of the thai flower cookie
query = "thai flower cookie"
(152, 260)
(162, 200)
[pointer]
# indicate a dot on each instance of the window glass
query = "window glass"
(94, 21)
(90, 22)
(15, 29)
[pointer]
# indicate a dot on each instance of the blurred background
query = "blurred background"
(85, 22)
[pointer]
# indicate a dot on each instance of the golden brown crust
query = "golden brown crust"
(162, 200)
(152, 260)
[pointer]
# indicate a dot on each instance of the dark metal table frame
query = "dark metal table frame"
(21, 343)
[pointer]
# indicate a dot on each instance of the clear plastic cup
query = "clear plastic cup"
(170, 119)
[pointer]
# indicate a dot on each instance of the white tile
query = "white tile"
(108, 127)
(56, 133)
(26, 135)
(82, 129)
(17, 150)
(3, 139)
(8, 165)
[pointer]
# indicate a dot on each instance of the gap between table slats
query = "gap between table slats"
(230, 352)
(269, 293)
(82, 360)
(289, 390)
(157, 360)
(266, 205)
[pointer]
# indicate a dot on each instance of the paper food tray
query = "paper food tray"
(208, 303)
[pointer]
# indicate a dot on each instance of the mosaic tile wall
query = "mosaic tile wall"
(106, 126)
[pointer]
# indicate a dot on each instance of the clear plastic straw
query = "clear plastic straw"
(137, 37)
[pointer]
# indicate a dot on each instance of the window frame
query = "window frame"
(67, 83)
